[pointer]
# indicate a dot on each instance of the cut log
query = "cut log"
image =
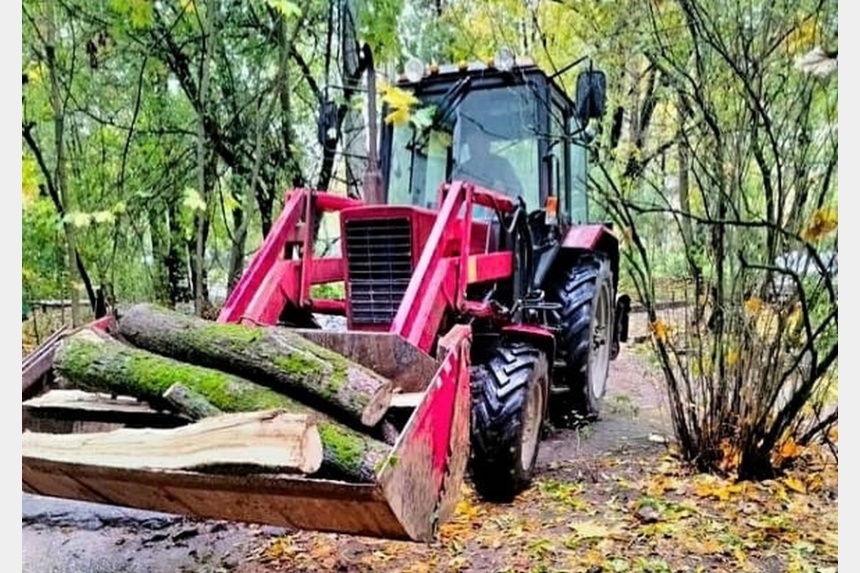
(273, 441)
(190, 403)
(268, 355)
(90, 362)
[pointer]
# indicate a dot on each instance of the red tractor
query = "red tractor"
(481, 218)
(474, 281)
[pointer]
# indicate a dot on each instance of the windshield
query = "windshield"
(493, 143)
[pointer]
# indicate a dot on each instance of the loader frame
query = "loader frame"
(453, 257)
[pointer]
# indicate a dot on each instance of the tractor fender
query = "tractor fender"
(595, 238)
(533, 334)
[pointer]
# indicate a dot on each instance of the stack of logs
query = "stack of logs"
(254, 398)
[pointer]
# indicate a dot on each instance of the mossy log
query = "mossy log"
(90, 362)
(190, 403)
(268, 355)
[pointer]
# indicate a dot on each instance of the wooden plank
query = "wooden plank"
(36, 366)
(76, 411)
(81, 400)
(406, 399)
(270, 441)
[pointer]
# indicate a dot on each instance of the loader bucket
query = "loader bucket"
(415, 489)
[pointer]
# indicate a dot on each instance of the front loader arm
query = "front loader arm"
(448, 265)
(274, 279)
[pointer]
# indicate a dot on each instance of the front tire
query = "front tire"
(585, 322)
(509, 392)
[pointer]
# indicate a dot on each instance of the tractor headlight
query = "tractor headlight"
(414, 70)
(504, 60)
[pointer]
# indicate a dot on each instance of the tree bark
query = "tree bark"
(273, 356)
(189, 403)
(271, 441)
(89, 361)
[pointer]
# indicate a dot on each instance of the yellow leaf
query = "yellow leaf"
(230, 203)
(35, 72)
(660, 330)
(709, 486)
(802, 37)
(795, 484)
(466, 510)
(398, 116)
(140, 12)
(789, 449)
(281, 547)
(754, 305)
(814, 483)
(710, 546)
(400, 102)
(732, 357)
(188, 6)
(822, 222)
(593, 530)
(285, 9)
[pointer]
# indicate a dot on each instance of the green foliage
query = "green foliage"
(137, 12)
(377, 25)
(738, 372)
(43, 265)
(285, 8)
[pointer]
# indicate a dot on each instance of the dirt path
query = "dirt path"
(633, 416)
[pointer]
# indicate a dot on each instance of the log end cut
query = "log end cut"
(377, 406)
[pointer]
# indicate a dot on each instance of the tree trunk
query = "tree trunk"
(60, 175)
(160, 237)
(177, 257)
(270, 441)
(93, 362)
(350, 122)
(208, 41)
(273, 356)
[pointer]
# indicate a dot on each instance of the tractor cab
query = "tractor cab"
(509, 128)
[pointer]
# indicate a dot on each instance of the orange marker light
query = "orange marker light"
(551, 209)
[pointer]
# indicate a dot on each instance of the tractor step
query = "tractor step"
(559, 390)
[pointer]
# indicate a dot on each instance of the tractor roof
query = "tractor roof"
(434, 74)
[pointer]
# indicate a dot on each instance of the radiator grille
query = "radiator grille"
(379, 257)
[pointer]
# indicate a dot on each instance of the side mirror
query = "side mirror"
(590, 95)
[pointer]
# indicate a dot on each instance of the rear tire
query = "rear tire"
(585, 321)
(508, 404)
